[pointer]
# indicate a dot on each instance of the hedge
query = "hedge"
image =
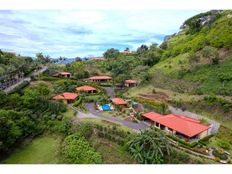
(189, 145)
(205, 139)
(160, 107)
(76, 103)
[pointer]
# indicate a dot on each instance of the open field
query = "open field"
(41, 150)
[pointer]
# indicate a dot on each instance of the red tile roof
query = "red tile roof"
(86, 88)
(66, 96)
(187, 126)
(64, 73)
(130, 81)
(152, 115)
(118, 101)
(100, 78)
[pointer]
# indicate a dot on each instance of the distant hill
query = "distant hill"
(64, 61)
(198, 59)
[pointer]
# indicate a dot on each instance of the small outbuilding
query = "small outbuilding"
(130, 83)
(63, 74)
(67, 96)
(87, 89)
(119, 101)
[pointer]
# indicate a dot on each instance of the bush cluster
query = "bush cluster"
(112, 133)
(77, 102)
(213, 100)
(77, 150)
(160, 107)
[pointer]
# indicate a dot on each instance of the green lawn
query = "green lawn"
(104, 122)
(111, 152)
(69, 113)
(42, 150)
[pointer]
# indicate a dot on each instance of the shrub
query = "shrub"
(220, 154)
(156, 105)
(186, 144)
(149, 147)
(204, 140)
(153, 91)
(77, 102)
(204, 121)
(224, 144)
(76, 150)
(84, 129)
(224, 104)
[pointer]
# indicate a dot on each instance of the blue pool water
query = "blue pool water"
(106, 107)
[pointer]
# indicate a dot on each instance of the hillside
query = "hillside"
(198, 59)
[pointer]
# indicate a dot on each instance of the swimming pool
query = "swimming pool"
(106, 107)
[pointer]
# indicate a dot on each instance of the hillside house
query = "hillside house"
(67, 96)
(180, 126)
(63, 74)
(119, 103)
(100, 79)
(87, 89)
(130, 83)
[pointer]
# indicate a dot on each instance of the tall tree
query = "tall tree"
(149, 147)
(111, 53)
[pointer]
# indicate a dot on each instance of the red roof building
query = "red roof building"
(130, 83)
(63, 74)
(179, 125)
(118, 101)
(100, 78)
(68, 96)
(152, 115)
(88, 89)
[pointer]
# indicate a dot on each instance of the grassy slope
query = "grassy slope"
(208, 76)
(176, 59)
(111, 152)
(42, 150)
(173, 65)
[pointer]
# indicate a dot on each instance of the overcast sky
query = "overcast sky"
(72, 33)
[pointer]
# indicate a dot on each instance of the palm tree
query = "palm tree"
(149, 147)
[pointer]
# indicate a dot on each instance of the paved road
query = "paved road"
(110, 91)
(215, 125)
(82, 114)
(95, 114)
(7, 90)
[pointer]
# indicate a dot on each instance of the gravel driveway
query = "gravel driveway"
(110, 91)
(132, 125)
